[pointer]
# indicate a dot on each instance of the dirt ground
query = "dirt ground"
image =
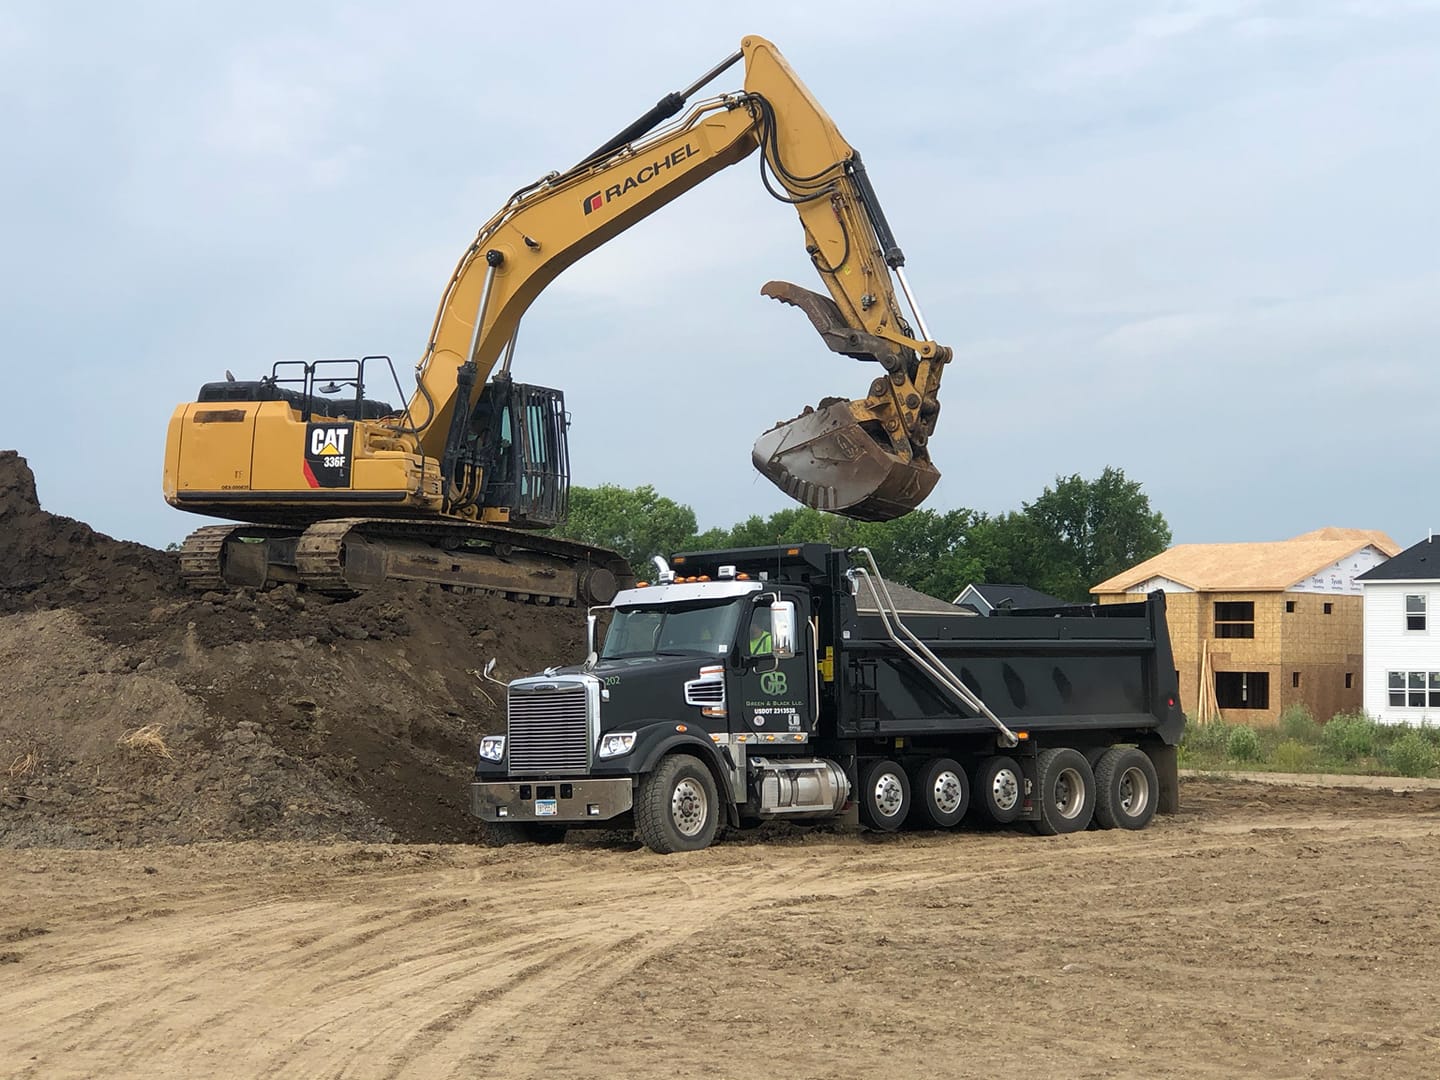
(1265, 931)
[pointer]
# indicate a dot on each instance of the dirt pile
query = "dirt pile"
(133, 711)
(50, 561)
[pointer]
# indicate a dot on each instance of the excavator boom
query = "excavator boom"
(868, 461)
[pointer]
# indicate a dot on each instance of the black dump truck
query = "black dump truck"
(786, 682)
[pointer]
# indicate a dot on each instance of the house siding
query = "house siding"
(1389, 646)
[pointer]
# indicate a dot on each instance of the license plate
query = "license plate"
(547, 807)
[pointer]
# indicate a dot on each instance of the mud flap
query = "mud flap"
(826, 460)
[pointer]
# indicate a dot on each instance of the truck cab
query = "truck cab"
(718, 668)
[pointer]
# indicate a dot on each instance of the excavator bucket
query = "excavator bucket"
(824, 458)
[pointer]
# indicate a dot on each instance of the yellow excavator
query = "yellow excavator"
(339, 491)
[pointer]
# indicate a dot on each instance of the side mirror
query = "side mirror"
(782, 629)
(591, 656)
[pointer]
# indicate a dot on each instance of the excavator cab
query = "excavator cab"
(519, 440)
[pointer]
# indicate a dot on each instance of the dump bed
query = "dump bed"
(1090, 668)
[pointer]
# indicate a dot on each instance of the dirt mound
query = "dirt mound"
(49, 561)
(135, 711)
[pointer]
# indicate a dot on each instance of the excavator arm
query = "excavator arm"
(864, 458)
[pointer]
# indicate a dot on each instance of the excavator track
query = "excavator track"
(204, 562)
(346, 556)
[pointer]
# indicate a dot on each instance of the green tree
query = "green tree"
(637, 522)
(793, 525)
(923, 549)
(1085, 531)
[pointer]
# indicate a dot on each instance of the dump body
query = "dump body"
(889, 712)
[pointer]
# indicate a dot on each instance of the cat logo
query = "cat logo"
(773, 683)
(327, 455)
(328, 441)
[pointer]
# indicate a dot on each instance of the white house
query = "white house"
(1402, 636)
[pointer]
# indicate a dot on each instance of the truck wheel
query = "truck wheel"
(1000, 789)
(505, 833)
(942, 794)
(1126, 789)
(884, 796)
(677, 808)
(1067, 791)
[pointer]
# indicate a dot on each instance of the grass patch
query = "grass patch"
(1292, 755)
(1347, 743)
(1412, 754)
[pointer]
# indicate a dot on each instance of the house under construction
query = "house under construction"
(1256, 627)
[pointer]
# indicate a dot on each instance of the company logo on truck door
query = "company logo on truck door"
(327, 454)
(773, 683)
(643, 175)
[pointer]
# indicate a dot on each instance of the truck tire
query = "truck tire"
(1127, 790)
(505, 833)
(884, 796)
(1066, 798)
(941, 794)
(677, 807)
(1000, 789)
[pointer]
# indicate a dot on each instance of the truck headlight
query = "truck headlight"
(492, 747)
(616, 743)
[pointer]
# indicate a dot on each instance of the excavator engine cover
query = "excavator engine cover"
(825, 459)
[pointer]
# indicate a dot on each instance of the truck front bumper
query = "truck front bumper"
(552, 800)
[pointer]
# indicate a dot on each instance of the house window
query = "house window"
(1289, 607)
(1329, 608)
(1415, 611)
(1242, 689)
(1349, 680)
(1235, 619)
(1414, 689)
(1295, 679)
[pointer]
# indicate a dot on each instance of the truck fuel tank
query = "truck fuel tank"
(783, 788)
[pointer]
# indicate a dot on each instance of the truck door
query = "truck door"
(777, 696)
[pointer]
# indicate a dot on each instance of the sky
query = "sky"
(1195, 241)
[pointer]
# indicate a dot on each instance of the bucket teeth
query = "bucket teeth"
(826, 460)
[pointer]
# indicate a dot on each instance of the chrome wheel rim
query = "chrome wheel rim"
(948, 792)
(1134, 792)
(1005, 790)
(889, 795)
(688, 807)
(1069, 794)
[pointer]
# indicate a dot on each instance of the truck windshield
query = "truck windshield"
(707, 628)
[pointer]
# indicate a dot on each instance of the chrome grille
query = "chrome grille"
(708, 689)
(548, 728)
